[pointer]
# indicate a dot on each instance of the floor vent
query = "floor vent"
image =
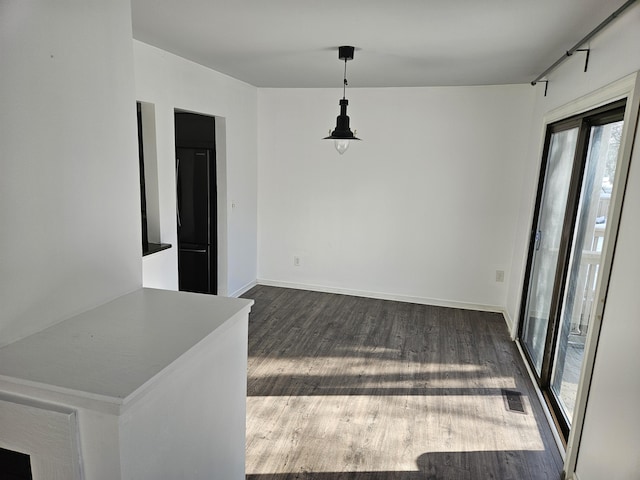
(513, 401)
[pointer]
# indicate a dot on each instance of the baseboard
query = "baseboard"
(383, 296)
(545, 409)
(243, 289)
(510, 324)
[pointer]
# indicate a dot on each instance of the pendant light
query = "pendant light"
(342, 135)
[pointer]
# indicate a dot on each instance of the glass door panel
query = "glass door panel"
(548, 234)
(566, 253)
(582, 274)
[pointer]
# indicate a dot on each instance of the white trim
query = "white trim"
(627, 87)
(46, 432)
(64, 396)
(543, 403)
(511, 325)
(383, 296)
(222, 204)
(243, 289)
(617, 90)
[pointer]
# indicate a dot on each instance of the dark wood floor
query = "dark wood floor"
(344, 387)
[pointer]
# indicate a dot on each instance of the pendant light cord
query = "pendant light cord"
(344, 86)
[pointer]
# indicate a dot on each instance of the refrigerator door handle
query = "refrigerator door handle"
(177, 192)
(194, 250)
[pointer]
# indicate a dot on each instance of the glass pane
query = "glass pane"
(549, 231)
(584, 263)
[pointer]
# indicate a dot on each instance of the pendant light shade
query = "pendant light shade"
(342, 134)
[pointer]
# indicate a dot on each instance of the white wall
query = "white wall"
(69, 193)
(422, 209)
(171, 82)
(613, 56)
(611, 437)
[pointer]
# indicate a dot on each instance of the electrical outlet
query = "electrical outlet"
(499, 276)
(296, 261)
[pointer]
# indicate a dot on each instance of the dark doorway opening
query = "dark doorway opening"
(197, 219)
(15, 465)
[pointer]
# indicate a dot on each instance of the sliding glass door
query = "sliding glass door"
(584, 261)
(547, 235)
(570, 224)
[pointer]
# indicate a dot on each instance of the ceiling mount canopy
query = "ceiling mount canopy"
(342, 134)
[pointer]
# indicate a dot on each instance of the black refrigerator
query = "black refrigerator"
(196, 218)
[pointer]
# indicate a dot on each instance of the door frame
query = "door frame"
(626, 88)
(576, 169)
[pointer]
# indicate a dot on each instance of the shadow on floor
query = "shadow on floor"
(486, 465)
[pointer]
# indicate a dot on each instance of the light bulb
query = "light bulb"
(341, 145)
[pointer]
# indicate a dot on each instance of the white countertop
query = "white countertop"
(112, 351)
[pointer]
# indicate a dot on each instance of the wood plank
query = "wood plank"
(359, 388)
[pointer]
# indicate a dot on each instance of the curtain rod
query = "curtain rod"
(589, 36)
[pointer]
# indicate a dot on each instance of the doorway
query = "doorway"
(573, 216)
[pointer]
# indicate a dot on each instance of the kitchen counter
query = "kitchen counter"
(150, 361)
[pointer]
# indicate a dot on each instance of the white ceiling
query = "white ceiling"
(293, 43)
